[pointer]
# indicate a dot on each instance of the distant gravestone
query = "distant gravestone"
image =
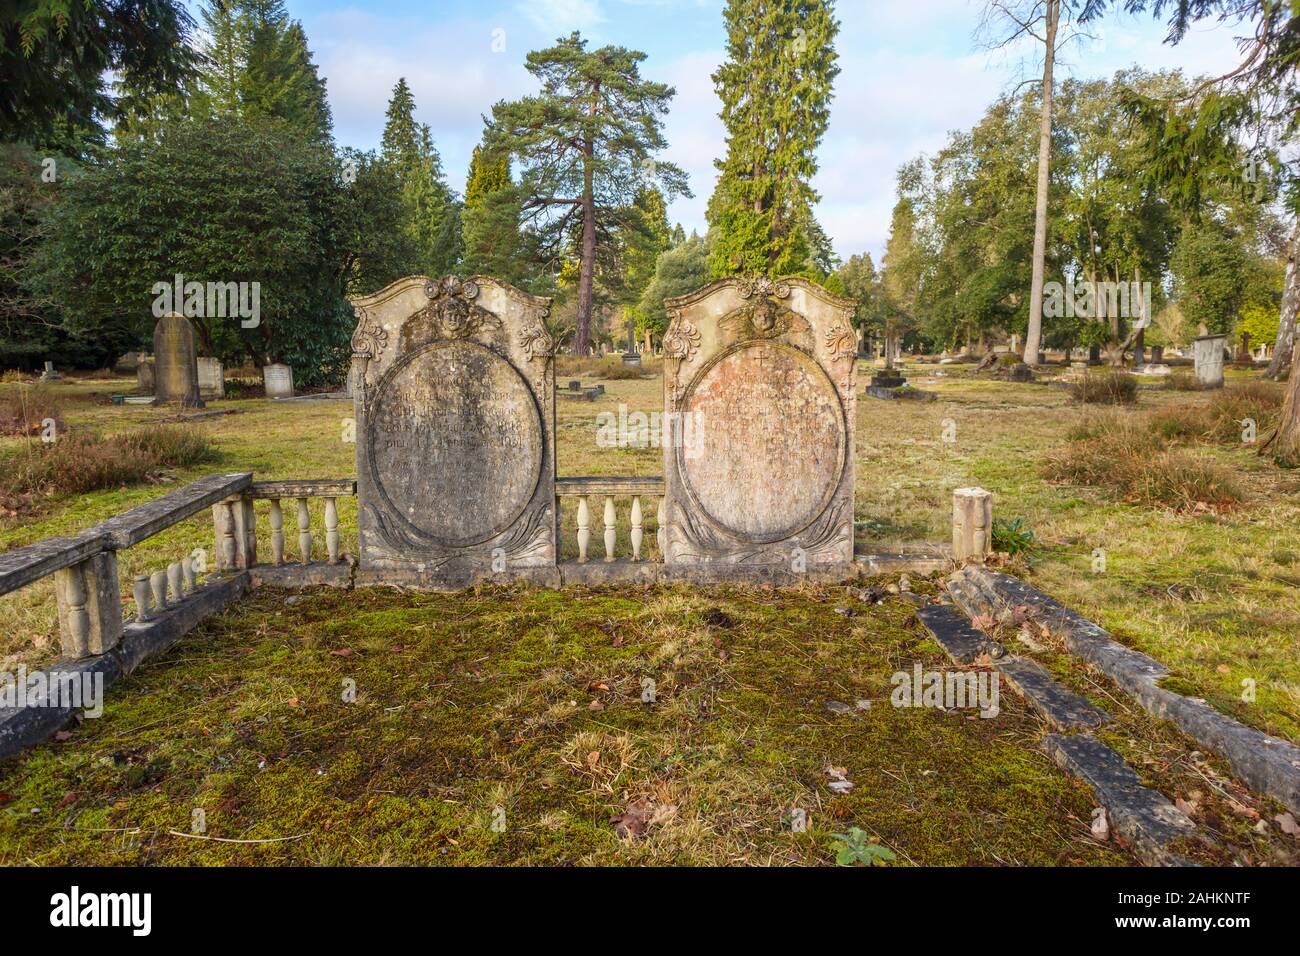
(759, 390)
(453, 389)
(176, 371)
(50, 375)
(1207, 360)
(277, 380)
(212, 378)
(144, 376)
(127, 364)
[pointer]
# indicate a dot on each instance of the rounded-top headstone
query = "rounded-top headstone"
(176, 370)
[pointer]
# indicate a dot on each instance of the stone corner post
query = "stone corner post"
(972, 524)
(90, 606)
(234, 525)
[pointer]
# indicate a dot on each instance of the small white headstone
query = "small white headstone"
(212, 378)
(1207, 357)
(278, 380)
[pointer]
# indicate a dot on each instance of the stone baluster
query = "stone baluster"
(277, 532)
(188, 583)
(158, 581)
(89, 601)
(174, 582)
(611, 530)
(226, 546)
(140, 590)
(332, 529)
(584, 528)
(637, 532)
(76, 632)
(972, 523)
(235, 523)
(661, 528)
(304, 531)
(247, 523)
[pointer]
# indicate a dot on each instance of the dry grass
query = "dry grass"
(1108, 387)
(83, 462)
(1227, 417)
(1128, 457)
(24, 409)
(608, 369)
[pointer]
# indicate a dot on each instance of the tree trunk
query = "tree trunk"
(587, 267)
(1286, 440)
(1033, 337)
(1290, 303)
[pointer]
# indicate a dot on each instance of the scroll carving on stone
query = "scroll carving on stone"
(759, 387)
(453, 385)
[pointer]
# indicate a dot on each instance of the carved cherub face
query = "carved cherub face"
(765, 316)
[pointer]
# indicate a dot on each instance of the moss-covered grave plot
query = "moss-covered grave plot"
(508, 726)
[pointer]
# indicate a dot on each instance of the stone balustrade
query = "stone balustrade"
(293, 497)
(602, 493)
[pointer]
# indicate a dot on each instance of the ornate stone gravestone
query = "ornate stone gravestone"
(277, 380)
(212, 378)
(453, 386)
(758, 386)
(175, 364)
(1207, 360)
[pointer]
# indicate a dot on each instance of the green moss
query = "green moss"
(466, 704)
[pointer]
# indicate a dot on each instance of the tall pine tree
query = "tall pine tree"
(776, 89)
(259, 65)
(585, 145)
(494, 244)
(432, 214)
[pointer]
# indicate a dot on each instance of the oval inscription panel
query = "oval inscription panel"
(455, 443)
(768, 447)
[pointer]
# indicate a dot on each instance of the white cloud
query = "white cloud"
(559, 17)
(910, 73)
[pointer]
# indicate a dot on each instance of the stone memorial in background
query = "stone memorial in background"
(212, 378)
(759, 390)
(277, 380)
(453, 389)
(1207, 359)
(175, 363)
(631, 356)
(144, 374)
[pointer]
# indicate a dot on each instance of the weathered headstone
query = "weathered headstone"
(50, 375)
(212, 378)
(1207, 360)
(758, 386)
(453, 385)
(126, 363)
(176, 370)
(144, 376)
(277, 380)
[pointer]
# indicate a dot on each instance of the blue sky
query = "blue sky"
(912, 70)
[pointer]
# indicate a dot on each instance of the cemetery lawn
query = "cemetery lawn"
(464, 701)
(484, 703)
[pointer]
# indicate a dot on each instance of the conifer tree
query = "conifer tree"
(776, 88)
(432, 216)
(259, 65)
(586, 144)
